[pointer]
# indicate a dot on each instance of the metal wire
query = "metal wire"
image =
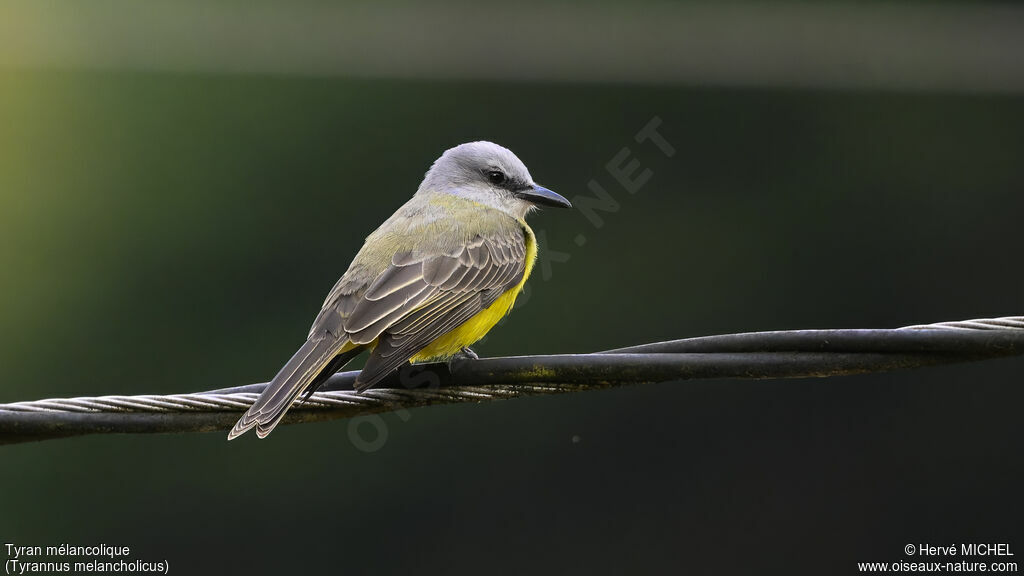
(786, 354)
(1015, 322)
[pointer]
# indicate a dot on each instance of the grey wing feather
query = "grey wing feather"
(486, 278)
(420, 297)
(394, 350)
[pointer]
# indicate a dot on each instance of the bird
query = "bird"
(431, 281)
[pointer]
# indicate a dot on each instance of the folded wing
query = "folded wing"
(421, 296)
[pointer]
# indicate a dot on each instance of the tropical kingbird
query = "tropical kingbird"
(432, 280)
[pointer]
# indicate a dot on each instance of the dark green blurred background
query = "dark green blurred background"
(176, 230)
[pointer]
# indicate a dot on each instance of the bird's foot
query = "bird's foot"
(465, 354)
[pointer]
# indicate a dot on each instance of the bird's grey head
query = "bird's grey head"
(490, 175)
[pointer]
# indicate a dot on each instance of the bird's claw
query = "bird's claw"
(465, 354)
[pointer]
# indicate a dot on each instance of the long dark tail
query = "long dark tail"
(308, 367)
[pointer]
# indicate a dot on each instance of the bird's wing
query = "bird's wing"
(422, 295)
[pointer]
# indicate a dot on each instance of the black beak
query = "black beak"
(541, 196)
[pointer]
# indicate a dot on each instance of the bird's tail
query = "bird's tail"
(307, 367)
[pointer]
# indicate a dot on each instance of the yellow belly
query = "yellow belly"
(472, 330)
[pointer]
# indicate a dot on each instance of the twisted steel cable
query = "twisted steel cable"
(781, 354)
(1015, 322)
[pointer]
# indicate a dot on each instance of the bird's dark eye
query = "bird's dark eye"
(496, 177)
